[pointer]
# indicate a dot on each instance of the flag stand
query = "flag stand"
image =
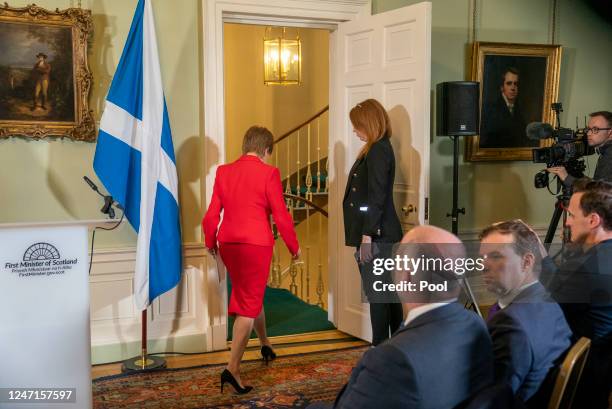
(143, 362)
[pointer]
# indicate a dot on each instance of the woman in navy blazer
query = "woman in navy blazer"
(248, 191)
(371, 224)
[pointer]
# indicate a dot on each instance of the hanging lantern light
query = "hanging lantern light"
(282, 60)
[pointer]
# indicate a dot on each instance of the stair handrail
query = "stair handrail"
(308, 202)
(315, 116)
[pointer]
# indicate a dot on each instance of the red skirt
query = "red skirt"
(248, 266)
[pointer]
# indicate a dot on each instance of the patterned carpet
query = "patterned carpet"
(289, 382)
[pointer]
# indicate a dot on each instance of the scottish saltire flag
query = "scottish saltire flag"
(135, 159)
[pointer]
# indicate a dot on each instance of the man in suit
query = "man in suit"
(582, 284)
(503, 123)
(529, 332)
(441, 355)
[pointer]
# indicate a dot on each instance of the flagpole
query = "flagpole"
(136, 100)
(143, 337)
(143, 362)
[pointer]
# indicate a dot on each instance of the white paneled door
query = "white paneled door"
(386, 56)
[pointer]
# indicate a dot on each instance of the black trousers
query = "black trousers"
(386, 314)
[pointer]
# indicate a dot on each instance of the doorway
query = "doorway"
(297, 114)
(386, 56)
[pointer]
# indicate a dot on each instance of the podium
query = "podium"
(45, 348)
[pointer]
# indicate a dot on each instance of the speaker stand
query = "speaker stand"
(454, 215)
(471, 303)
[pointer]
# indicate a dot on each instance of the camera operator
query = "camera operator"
(582, 285)
(599, 133)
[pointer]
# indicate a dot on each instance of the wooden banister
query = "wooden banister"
(315, 116)
(308, 202)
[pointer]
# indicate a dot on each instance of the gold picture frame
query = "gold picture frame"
(44, 75)
(518, 84)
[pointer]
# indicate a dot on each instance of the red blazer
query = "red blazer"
(248, 191)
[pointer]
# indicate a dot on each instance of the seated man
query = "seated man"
(582, 284)
(528, 329)
(441, 355)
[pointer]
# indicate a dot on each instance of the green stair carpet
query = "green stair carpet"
(286, 315)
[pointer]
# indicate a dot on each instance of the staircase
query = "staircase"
(317, 193)
(301, 155)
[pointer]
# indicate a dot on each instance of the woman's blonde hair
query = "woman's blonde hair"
(371, 118)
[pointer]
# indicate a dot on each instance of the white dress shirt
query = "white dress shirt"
(508, 104)
(507, 299)
(420, 310)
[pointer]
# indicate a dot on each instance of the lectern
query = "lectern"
(45, 351)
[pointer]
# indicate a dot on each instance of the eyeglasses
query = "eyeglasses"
(596, 129)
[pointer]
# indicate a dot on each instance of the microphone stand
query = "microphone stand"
(108, 199)
(144, 362)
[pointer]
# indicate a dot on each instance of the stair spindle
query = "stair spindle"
(308, 172)
(318, 155)
(298, 193)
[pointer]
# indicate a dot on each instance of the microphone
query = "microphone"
(108, 199)
(539, 130)
(91, 184)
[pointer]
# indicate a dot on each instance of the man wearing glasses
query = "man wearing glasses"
(599, 134)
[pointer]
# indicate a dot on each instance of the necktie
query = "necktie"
(493, 310)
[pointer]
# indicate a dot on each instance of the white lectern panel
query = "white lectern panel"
(44, 315)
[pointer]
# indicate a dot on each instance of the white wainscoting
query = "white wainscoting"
(179, 320)
(190, 318)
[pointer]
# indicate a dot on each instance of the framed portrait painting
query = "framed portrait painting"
(44, 76)
(518, 84)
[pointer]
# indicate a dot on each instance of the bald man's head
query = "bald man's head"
(430, 234)
(440, 243)
(430, 243)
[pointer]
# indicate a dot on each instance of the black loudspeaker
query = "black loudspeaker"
(458, 108)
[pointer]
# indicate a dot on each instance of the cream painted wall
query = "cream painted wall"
(279, 108)
(499, 190)
(42, 180)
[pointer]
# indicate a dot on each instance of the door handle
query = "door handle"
(409, 209)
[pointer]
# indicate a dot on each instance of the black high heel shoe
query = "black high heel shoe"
(226, 376)
(268, 354)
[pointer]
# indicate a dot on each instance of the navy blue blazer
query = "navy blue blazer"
(582, 285)
(529, 337)
(437, 361)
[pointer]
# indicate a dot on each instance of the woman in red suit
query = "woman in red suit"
(248, 191)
